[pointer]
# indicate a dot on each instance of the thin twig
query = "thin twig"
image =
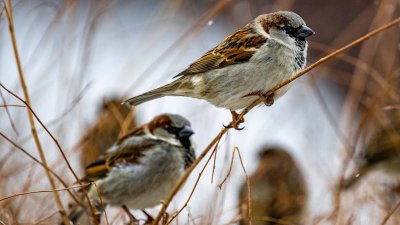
(101, 201)
(365, 67)
(58, 146)
(197, 181)
(214, 164)
(40, 163)
(248, 185)
(58, 118)
(390, 213)
(3, 7)
(258, 101)
(42, 191)
(7, 105)
(229, 170)
(41, 221)
(25, 187)
(11, 105)
(57, 198)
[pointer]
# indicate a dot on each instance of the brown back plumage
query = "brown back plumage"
(278, 190)
(114, 121)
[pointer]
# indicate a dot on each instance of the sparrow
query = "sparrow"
(278, 190)
(382, 152)
(114, 120)
(244, 66)
(141, 168)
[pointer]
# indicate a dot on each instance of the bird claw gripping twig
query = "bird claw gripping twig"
(267, 98)
(236, 121)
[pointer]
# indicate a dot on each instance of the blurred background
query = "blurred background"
(77, 56)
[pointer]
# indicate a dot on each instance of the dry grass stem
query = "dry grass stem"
(8, 105)
(229, 170)
(214, 163)
(101, 202)
(390, 213)
(8, 9)
(248, 185)
(59, 118)
(11, 105)
(59, 148)
(195, 185)
(42, 191)
(40, 163)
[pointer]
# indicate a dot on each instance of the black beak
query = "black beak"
(185, 132)
(304, 32)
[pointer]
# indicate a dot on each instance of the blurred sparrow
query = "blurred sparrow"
(381, 153)
(244, 66)
(278, 191)
(114, 121)
(141, 169)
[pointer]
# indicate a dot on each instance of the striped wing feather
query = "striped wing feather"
(124, 153)
(236, 48)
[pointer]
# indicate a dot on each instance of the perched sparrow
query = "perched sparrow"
(141, 169)
(244, 66)
(278, 191)
(381, 153)
(114, 119)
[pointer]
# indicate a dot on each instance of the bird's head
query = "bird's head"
(285, 27)
(172, 126)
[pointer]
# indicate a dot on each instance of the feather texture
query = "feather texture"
(236, 48)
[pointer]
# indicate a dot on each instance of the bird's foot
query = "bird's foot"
(149, 219)
(267, 98)
(236, 121)
(132, 218)
(270, 98)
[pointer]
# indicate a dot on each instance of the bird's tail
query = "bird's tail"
(154, 94)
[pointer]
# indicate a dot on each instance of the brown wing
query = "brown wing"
(236, 48)
(130, 152)
(137, 131)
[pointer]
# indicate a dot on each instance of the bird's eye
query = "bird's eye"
(290, 31)
(287, 29)
(171, 129)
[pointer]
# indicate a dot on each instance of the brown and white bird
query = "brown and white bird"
(381, 153)
(278, 191)
(141, 169)
(244, 66)
(114, 121)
